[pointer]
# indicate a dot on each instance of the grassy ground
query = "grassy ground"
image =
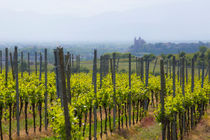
(123, 65)
(32, 135)
(147, 129)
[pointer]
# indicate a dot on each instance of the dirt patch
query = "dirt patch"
(202, 130)
(31, 135)
(148, 121)
(147, 129)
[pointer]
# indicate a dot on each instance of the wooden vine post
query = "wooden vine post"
(136, 66)
(40, 67)
(36, 62)
(101, 70)
(107, 64)
(21, 64)
(95, 91)
(192, 74)
(209, 73)
(183, 77)
(174, 127)
(101, 77)
(174, 76)
(114, 89)
(170, 67)
(192, 89)
(1, 60)
(209, 70)
(26, 99)
(147, 72)
(142, 69)
(146, 81)
(139, 66)
(181, 71)
(167, 67)
(12, 66)
(117, 67)
(56, 72)
(129, 95)
(72, 63)
(1, 113)
(68, 73)
(17, 91)
(178, 70)
(79, 64)
(202, 74)
(199, 70)
(6, 66)
(183, 92)
(64, 96)
(111, 67)
(10, 105)
(1, 106)
(186, 73)
(29, 71)
(155, 66)
(59, 78)
(40, 102)
(162, 95)
(46, 93)
(90, 121)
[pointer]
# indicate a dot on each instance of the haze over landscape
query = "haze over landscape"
(105, 69)
(104, 20)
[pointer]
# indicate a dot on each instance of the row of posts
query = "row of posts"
(182, 75)
(8, 57)
(105, 64)
(14, 67)
(63, 69)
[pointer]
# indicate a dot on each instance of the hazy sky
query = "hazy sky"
(104, 20)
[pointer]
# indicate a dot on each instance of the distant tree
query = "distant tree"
(202, 49)
(182, 54)
(149, 57)
(163, 56)
(196, 55)
(169, 56)
(119, 55)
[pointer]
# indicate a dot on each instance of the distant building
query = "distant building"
(138, 43)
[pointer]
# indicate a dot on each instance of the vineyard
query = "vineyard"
(76, 105)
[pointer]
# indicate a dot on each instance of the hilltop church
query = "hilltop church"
(138, 43)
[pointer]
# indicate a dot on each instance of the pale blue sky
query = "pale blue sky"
(104, 20)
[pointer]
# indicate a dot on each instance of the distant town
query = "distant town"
(140, 47)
